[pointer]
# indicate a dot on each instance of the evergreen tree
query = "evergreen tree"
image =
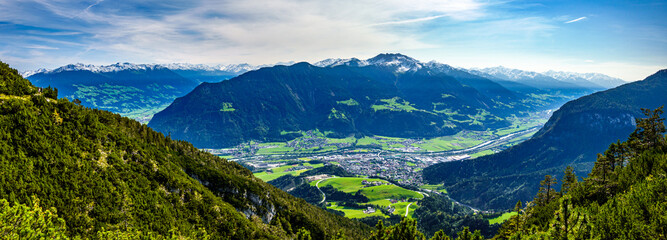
(650, 130)
(465, 234)
(440, 235)
(405, 230)
(22, 222)
(624, 196)
(303, 234)
(569, 180)
(547, 192)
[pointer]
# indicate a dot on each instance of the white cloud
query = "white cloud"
(42, 47)
(255, 31)
(576, 20)
(415, 20)
(260, 32)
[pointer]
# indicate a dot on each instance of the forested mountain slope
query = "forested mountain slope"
(103, 172)
(623, 197)
(388, 95)
(573, 136)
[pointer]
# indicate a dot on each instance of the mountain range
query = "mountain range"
(387, 95)
(542, 80)
(145, 89)
(572, 137)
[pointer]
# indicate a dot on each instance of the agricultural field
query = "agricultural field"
(389, 191)
(394, 104)
(355, 212)
(274, 150)
(434, 187)
(384, 191)
(402, 206)
(379, 195)
(482, 153)
(502, 218)
(280, 171)
(347, 184)
(449, 143)
(317, 142)
(367, 141)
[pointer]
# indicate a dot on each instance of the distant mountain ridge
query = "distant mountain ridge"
(116, 67)
(533, 79)
(573, 136)
(140, 90)
(401, 62)
(551, 78)
(596, 78)
(134, 90)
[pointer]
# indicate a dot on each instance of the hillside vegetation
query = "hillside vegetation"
(105, 173)
(623, 197)
(275, 104)
(572, 137)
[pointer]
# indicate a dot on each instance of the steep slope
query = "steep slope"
(104, 171)
(623, 197)
(387, 97)
(572, 136)
(399, 63)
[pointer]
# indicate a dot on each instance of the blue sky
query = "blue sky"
(626, 39)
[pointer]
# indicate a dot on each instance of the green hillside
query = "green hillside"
(572, 137)
(276, 104)
(103, 172)
(623, 197)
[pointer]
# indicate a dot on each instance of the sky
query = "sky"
(625, 39)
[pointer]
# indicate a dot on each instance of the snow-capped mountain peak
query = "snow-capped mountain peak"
(96, 68)
(509, 73)
(333, 62)
(189, 66)
(30, 73)
(398, 62)
(238, 68)
(595, 78)
(117, 67)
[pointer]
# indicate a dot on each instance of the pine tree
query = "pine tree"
(649, 132)
(380, 231)
(405, 230)
(546, 192)
(464, 234)
(23, 222)
(440, 235)
(600, 176)
(303, 234)
(569, 180)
